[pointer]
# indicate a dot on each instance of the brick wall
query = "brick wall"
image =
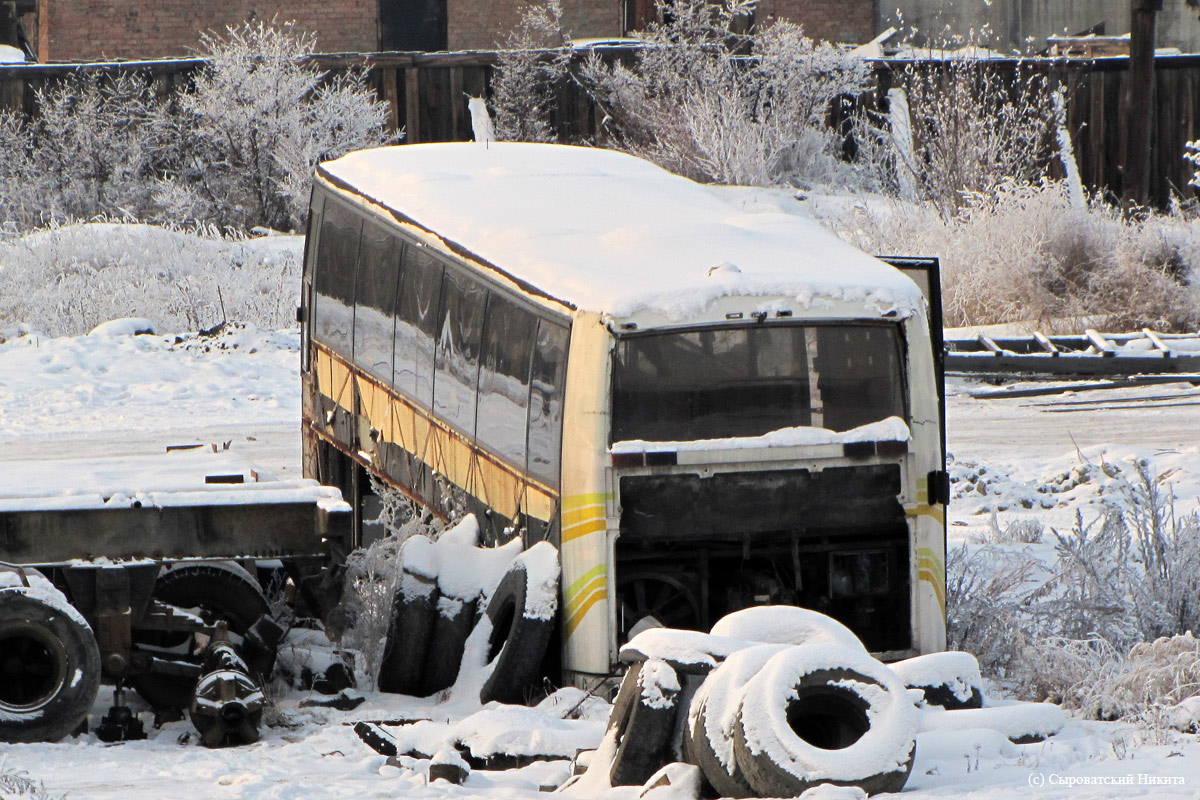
(849, 21)
(485, 24)
(73, 30)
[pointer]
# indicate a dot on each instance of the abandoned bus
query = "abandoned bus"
(704, 401)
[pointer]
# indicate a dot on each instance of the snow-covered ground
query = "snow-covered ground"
(101, 396)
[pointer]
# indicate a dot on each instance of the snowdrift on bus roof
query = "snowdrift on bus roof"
(604, 231)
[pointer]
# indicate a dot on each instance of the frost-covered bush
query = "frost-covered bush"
(1094, 627)
(1024, 253)
(92, 151)
(236, 149)
(975, 128)
(529, 69)
(66, 280)
(257, 122)
(722, 106)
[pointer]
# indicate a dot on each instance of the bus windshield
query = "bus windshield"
(717, 383)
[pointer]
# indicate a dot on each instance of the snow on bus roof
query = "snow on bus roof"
(605, 231)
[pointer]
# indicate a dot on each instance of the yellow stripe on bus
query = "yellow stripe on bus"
(581, 529)
(443, 451)
(577, 501)
(576, 618)
(597, 584)
(925, 510)
(931, 569)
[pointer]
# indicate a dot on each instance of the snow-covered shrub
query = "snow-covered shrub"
(17, 783)
(1023, 253)
(257, 121)
(67, 280)
(974, 127)
(92, 151)
(984, 614)
(529, 69)
(718, 105)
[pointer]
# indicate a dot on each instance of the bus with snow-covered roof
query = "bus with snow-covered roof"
(700, 397)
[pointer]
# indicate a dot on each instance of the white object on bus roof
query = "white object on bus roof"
(605, 231)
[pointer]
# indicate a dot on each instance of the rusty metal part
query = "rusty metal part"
(227, 708)
(227, 704)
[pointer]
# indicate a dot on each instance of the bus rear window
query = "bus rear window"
(747, 381)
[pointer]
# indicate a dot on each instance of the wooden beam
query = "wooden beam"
(1141, 101)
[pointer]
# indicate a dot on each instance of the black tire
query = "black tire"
(452, 624)
(950, 679)
(704, 736)
(824, 714)
(414, 608)
(220, 593)
(522, 614)
(646, 728)
(49, 669)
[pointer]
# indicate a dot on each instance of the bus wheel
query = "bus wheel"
(220, 591)
(824, 714)
(655, 598)
(49, 668)
(522, 612)
(647, 723)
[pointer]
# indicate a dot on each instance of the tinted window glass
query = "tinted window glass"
(378, 274)
(456, 369)
(504, 379)
(748, 381)
(545, 401)
(337, 256)
(858, 374)
(416, 323)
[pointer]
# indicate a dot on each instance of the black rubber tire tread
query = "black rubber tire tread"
(726, 782)
(522, 642)
(944, 696)
(67, 705)
(221, 594)
(644, 742)
(413, 619)
(769, 779)
(443, 656)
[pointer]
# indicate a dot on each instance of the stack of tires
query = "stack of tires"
(485, 615)
(797, 703)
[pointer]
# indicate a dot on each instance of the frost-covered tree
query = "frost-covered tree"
(528, 72)
(91, 152)
(719, 105)
(975, 128)
(257, 122)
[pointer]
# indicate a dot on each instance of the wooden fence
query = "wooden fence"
(426, 96)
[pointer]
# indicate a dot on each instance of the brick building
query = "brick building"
(74, 30)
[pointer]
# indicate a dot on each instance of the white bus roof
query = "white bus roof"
(604, 231)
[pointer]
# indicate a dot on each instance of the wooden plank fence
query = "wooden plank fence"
(426, 97)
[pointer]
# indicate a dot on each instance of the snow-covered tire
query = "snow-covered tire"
(647, 723)
(1021, 723)
(414, 608)
(451, 626)
(950, 680)
(222, 591)
(521, 611)
(785, 625)
(708, 734)
(824, 714)
(49, 667)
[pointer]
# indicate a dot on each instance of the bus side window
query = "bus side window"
(504, 379)
(378, 273)
(459, 335)
(416, 323)
(333, 298)
(545, 402)
(312, 236)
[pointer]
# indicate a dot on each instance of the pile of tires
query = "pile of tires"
(773, 702)
(461, 611)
